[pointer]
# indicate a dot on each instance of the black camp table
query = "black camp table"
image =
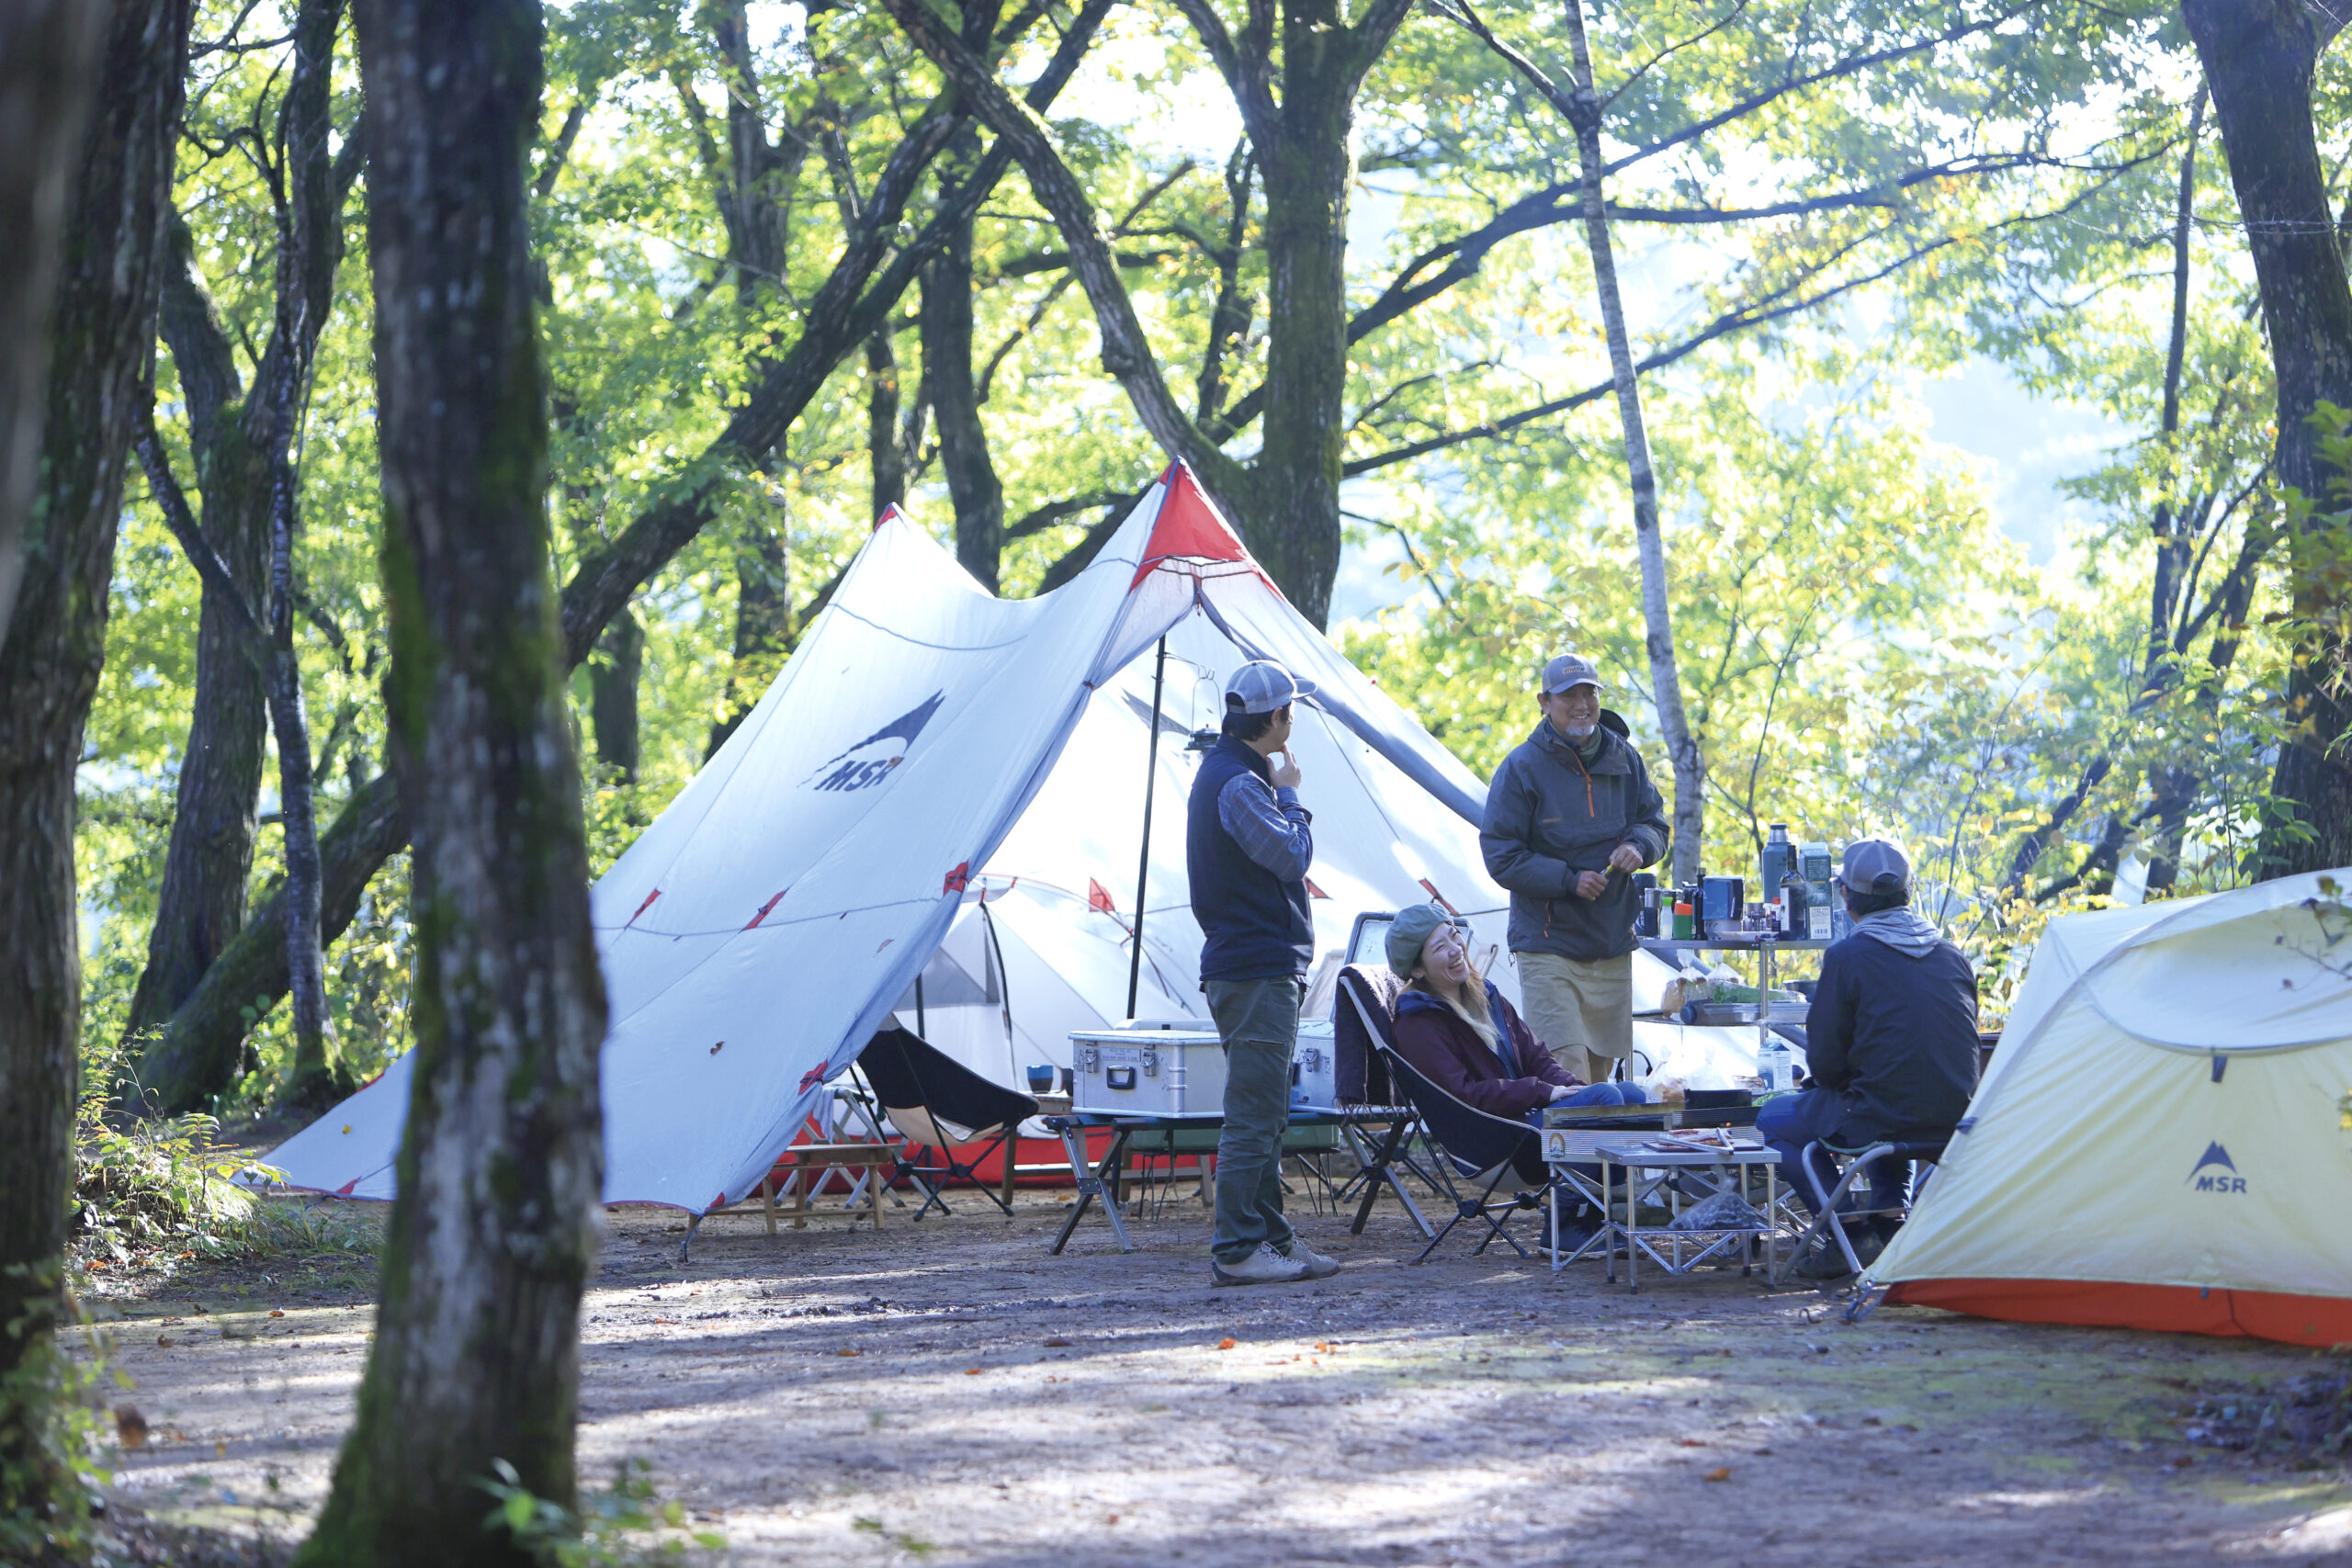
(1103, 1180)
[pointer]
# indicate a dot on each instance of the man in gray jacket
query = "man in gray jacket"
(1570, 816)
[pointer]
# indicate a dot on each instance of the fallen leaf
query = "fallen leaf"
(1720, 1473)
(2184, 1462)
(1226, 1344)
(129, 1427)
(849, 1352)
(673, 1322)
(274, 1312)
(1058, 1343)
(1323, 1347)
(1692, 1442)
(165, 1340)
(1114, 1518)
(971, 1372)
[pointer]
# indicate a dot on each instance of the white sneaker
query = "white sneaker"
(1264, 1266)
(1317, 1266)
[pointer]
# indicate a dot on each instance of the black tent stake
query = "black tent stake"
(1143, 862)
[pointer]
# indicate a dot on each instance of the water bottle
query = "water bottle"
(1774, 1064)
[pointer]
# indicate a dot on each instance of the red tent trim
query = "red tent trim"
(2174, 1309)
(1189, 528)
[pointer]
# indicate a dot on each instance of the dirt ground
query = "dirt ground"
(947, 1393)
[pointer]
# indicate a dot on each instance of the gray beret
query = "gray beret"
(1411, 929)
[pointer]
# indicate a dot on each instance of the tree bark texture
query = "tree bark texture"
(613, 675)
(490, 1241)
(954, 398)
(2259, 58)
(1657, 621)
(47, 48)
(887, 451)
(239, 439)
(312, 1079)
(100, 382)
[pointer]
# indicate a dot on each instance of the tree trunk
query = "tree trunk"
(314, 1082)
(476, 1358)
(1309, 172)
(99, 387)
(886, 452)
(46, 51)
(240, 443)
(1666, 680)
(2260, 57)
(612, 694)
(200, 904)
(764, 624)
(955, 401)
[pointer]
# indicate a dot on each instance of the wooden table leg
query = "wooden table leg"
(874, 1193)
(767, 1200)
(800, 1187)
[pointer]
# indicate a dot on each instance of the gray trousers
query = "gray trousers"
(1257, 1020)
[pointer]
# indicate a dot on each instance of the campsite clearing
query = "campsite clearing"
(840, 1396)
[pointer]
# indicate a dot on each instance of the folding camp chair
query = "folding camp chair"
(1486, 1151)
(938, 1103)
(1363, 1025)
(1836, 1178)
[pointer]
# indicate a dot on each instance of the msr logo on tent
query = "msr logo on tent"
(2215, 1173)
(872, 759)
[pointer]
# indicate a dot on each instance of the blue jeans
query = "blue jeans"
(1596, 1094)
(1789, 1122)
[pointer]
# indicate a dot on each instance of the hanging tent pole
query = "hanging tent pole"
(1143, 860)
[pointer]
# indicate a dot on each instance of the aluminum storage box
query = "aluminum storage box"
(1177, 1068)
(1149, 1069)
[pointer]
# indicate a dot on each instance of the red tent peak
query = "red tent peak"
(888, 513)
(1189, 526)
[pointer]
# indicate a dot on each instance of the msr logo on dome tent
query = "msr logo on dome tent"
(872, 759)
(2215, 1173)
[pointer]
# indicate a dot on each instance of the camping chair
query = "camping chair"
(1835, 1178)
(1486, 1151)
(939, 1103)
(1364, 1026)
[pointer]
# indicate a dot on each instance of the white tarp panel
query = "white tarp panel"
(2171, 1105)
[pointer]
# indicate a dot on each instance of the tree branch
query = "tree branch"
(173, 502)
(1126, 353)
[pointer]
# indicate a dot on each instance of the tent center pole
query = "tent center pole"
(1143, 860)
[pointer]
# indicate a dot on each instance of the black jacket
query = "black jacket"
(1896, 1037)
(1548, 817)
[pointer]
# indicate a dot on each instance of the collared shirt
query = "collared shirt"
(1270, 825)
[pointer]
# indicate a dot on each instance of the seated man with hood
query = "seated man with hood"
(1464, 1036)
(1890, 1044)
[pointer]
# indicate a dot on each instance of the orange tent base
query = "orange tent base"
(2177, 1309)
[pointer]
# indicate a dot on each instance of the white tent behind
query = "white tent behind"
(2165, 1138)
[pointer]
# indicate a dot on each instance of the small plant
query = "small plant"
(624, 1526)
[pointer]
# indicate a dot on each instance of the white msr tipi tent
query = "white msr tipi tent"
(2165, 1138)
(949, 787)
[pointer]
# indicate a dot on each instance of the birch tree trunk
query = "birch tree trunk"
(476, 1358)
(1666, 680)
(46, 50)
(99, 386)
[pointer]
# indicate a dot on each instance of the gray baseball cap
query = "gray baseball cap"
(1570, 671)
(1262, 686)
(1875, 866)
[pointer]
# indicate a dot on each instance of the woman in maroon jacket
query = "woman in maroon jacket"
(1464, 1037)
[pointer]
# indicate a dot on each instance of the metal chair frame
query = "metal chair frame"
(1829, 1218)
